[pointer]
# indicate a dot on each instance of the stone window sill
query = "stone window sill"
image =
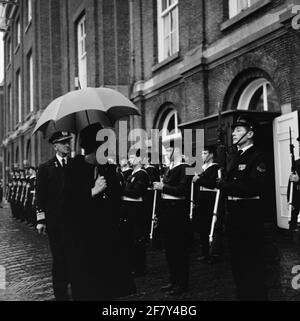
(245, 13)
(165, 61)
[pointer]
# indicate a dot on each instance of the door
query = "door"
(282, 160)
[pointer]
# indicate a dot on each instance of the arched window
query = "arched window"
(259, 95)
(170, 125)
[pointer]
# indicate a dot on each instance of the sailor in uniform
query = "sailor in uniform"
(174, 218)
(243, 188)
(134, 215)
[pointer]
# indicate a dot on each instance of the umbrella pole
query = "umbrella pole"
(87, 117)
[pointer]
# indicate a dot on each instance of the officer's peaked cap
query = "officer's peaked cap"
(59, 137)
(245, 121)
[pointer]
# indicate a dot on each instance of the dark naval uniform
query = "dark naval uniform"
(13, 196)
(126, 173)
(49, 190)
(134, 219)
(243, 188)
(175, 223)
(296, 197)
(204, 200)
(29, 202)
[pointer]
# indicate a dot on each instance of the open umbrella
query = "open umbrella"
(81, 108)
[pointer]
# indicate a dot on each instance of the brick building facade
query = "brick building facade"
(2, 168)
(178, 60)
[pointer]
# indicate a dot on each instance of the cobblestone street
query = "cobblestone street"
(25, 256)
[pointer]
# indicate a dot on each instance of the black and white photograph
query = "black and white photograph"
(149, 153)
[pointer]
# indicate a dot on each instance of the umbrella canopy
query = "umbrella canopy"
(81, 108)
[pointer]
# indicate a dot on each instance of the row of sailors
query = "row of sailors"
(167, 194)
(171, 205)
(20, 193)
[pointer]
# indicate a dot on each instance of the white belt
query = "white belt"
(171, 197)
(129, 199)
(204, 189)
(233, 198)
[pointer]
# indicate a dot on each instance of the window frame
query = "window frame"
(19, 96)
(161, 16)
(249, 91)
(29, 11)
(10, 113)
(165, 136)
(18, 32)
(30, 72)
(9, 51)
(81, 36)
(233, 7)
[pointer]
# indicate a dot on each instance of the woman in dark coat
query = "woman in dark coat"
(98, 268)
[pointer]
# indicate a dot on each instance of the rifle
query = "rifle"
(153, 218)
(153, 215)
(192, 201)
(222, 164)
(292, 171)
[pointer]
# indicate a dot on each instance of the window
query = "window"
(29, 10)
(9, 51)
(19, 97)
(10, 113)
(168, 31)
(30, 81)
(259, 95)
(18, 32)
(237, 6)
(82, 55)
(170, 125)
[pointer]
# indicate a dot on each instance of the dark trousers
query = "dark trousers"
(294, 216)
(246, 246)
(60, 276)
(175, 223)
(134, 233)
(13, 209)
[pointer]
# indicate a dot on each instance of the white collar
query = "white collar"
(245, 148)
(172, 165)
(59, 158)
(135, 171)
(206, 166)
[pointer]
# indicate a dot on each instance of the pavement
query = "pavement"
(25, 256)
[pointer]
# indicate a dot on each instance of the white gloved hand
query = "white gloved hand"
(41, 228)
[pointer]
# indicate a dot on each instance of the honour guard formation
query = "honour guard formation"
(102, 220)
